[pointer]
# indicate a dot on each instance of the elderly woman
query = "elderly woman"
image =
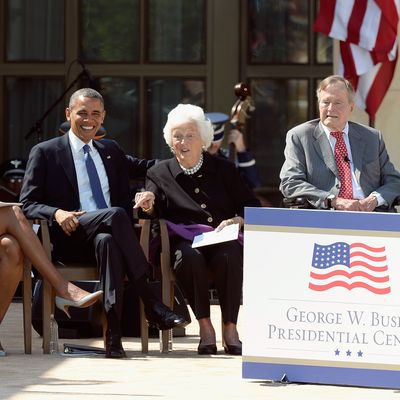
(16, 239)
(196, 189)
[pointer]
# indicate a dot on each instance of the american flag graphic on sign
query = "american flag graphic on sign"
(350, 266)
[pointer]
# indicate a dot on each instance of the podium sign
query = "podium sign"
(321, 297)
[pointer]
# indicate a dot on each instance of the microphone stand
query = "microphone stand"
(37, 127)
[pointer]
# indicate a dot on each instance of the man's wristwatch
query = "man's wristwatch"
(329, 200)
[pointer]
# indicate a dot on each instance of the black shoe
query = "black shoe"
(206, 349)
(233, 349)
(163, 318)
(114, 347)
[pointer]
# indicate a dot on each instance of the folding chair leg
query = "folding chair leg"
(222, 331)
(48, 309)
(166, 336)
(144, 329)
(27, 307)
(166, 341)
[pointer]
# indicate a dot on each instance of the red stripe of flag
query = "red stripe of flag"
(321, 288)
(389, 11)
(350, 275)
(379, 87)
(360, 263)
(367, 256)
(366, 247)
(325, 17)
(356, 20)
(385, 38)
(349, 66)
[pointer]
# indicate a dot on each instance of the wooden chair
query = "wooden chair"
(84, 272)
(26, 280)
(167, 284)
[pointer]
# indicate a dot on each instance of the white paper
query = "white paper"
(230, 232)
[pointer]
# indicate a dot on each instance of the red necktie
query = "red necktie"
(343, 166)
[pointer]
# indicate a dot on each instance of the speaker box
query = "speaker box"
(84, 322)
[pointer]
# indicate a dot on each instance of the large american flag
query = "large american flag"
(367, 31)
(350, 266)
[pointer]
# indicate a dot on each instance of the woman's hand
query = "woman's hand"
(145, 201)
(230, 221)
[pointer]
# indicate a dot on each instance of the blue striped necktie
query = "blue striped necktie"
(94, 179)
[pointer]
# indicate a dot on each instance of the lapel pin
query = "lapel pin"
(108, 157)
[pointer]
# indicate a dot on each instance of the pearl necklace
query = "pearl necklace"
(193, 170)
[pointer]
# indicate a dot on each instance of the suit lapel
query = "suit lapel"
(67, 162)
(105, 157)
(357, 146)
(109, 165)
(324, 149)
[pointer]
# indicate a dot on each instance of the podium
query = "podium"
(321, 297)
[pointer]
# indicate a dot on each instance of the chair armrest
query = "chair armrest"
(44, 233)
(145, 233)
(296, 202)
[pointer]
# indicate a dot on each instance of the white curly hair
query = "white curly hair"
(184, 113)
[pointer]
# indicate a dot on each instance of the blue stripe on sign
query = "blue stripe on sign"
(324, 375)
(322, 219)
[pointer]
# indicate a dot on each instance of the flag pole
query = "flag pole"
(372, 122)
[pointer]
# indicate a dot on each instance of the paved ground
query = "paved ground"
(181, 374)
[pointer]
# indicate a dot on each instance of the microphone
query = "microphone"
(346, 159)
(93, 83)
(87, 73)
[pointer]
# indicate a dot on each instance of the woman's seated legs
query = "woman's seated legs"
(192, 275)
(11, 265)
(14, 223)
(192, 269)
(226, 262)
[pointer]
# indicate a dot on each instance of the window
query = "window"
(35, 30)
(104, 24)
(163, 96)
(146, 56)
(278, 31)
(286, 58)
(176, 31)
(28, 99)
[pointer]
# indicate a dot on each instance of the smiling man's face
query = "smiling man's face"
(335, 106)
(86, 116)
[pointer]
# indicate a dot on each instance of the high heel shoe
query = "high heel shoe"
(233, 349)
(206, 349)
(64, 304)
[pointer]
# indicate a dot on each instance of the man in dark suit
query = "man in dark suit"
(89, 215)
(334, 163)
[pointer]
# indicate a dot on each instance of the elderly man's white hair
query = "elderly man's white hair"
(184, 113)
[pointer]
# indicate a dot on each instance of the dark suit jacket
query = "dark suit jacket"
(310, 169)
(215, 193)
(50, 179)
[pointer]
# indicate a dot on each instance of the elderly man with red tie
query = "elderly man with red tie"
(334, 163)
